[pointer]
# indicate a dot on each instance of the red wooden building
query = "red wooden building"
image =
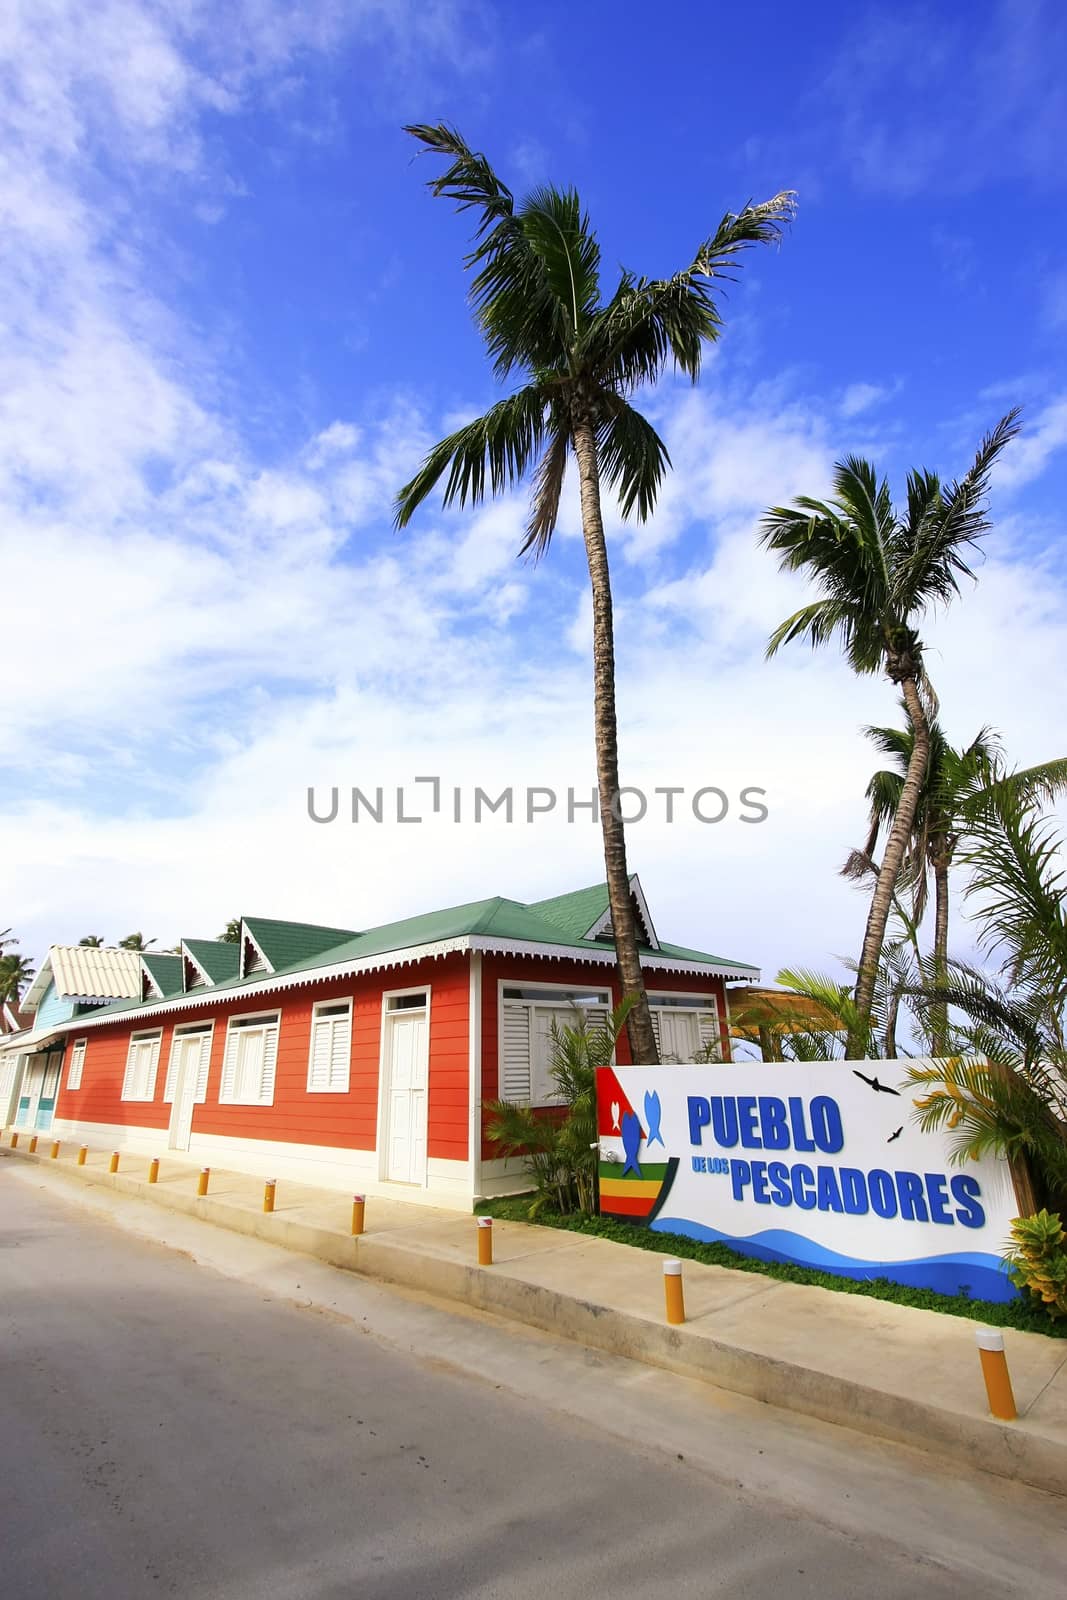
(361, 1059)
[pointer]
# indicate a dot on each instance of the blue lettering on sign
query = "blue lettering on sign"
(724, 1121)
(699, 1117)
(740, 1177)
(965, 1192)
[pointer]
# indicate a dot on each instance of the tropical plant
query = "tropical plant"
(92, 941)
(879, 572)
(16, 972)
(1037, 1260)
(956, 786)
(561, 1150)
(232, 935)
(135, 941)
(1004, 1091)
(537, 301)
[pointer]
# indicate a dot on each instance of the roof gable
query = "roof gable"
(87, 972)
(161, 975)
(216, 961)
(586, 913)
(282, 944)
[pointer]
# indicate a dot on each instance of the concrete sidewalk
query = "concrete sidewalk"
(893, 1371)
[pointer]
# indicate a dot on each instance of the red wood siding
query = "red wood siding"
(346, 1120)
(578, 974)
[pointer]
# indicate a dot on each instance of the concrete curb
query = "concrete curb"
(1018, 1450)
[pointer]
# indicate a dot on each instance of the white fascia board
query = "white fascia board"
(197, 999)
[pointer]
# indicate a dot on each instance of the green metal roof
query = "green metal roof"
(166, 970)
(575, 913)
(284, 943)
(219, 960)
(558, 922)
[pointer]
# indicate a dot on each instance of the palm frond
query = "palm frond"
(548, 487)
(650, 321)
(633, 459)
(502, 443)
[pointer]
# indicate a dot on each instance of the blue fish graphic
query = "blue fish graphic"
(653, 1112)
(631, 1143)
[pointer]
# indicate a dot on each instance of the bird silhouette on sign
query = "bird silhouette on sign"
(653, 1112)
(631, 1143)
(879, 1088)
(896, 1135)
(614, 1113)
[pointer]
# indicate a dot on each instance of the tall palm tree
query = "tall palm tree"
(957, 785)
(135, 941)
(232, 934)
(92, 941)
(880, 571)
(537, 301)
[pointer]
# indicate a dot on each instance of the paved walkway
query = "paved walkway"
(894, 1371)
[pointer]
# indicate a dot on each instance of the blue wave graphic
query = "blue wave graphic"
(976, 1273)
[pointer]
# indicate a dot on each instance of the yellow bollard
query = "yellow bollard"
(358, 1204)
(55, 1149)
(14, 1141)
(996, 1374)
(268, 1193)
(153, 1170)
(114, 1167)
(485, 1241)
(82, 1153)
(33, 1145)
(672, 1290)
(201, 1187)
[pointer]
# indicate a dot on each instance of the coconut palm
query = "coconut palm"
(879, 572)
(15, 974)
(537, 301)
(135, 941)
(232, 935)
(92, 941)
(956, 786)
(1005, 1088)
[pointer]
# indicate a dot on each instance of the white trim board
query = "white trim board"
(255, 988)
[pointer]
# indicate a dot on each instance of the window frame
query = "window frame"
(349, 1002)
(553, 997)
(183, 1031)
(234, 1025)
(695, 1005)
(78, 1053)
(142, 1036)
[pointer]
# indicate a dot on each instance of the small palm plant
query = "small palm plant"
(562, 1150)
(1004, 1090)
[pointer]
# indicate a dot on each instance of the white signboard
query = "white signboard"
(818, 1164)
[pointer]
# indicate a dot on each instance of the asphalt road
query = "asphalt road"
(169, 1428)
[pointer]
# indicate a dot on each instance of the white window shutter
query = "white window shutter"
(710, 1037)
(228, 1087)
(77, 1061)
(654, 1014)
(515, 1054)
(202, 1067)
(170, 1081)
(321, 1044)
(544, 1089)
(264, 1089)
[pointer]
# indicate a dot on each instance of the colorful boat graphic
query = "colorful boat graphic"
(631, 1186)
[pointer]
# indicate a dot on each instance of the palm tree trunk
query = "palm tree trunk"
(939, 1027)
(639, 1024)
(889, 871)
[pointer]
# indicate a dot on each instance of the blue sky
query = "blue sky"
(234, 319)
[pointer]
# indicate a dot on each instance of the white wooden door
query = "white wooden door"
(185, 1081)
(407, 1071)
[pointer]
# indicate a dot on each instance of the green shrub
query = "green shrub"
(1038, 1260)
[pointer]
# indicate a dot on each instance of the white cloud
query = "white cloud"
(1028, 456)
(861, 397)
